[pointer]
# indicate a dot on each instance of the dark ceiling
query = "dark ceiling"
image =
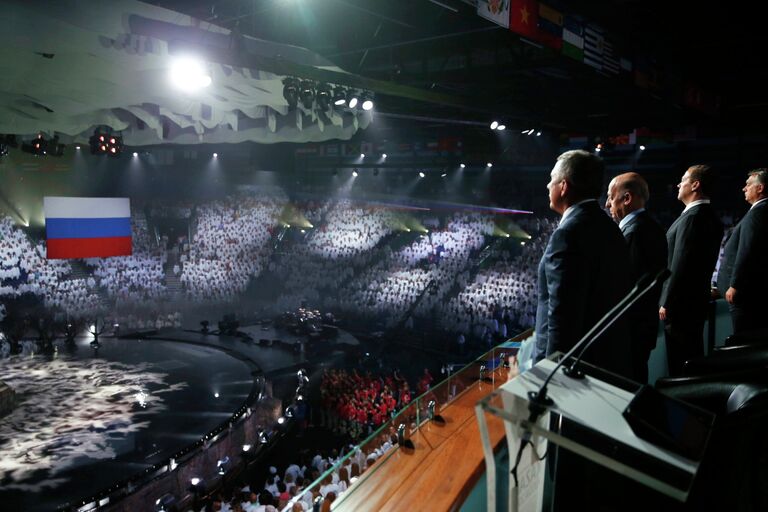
(443, 46)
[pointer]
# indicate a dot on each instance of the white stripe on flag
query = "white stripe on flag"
(573, 39)
(593, 47)
(86, 207)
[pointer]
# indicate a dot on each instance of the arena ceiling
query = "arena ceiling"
(67, 66)
(704, 63)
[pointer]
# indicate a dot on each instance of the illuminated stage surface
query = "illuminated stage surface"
(85, 420)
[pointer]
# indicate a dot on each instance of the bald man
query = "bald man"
(627, 195)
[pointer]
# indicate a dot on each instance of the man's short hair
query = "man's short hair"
(705, 176)
(760, 174)
(634, 184)
(584, 171)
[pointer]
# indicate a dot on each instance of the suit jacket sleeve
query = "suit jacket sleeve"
(745, 264)
(566, 273)
(689, 238)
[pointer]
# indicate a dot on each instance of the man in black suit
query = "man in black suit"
(742, 277)
(581, 274)
(693, 242)
(627, 195)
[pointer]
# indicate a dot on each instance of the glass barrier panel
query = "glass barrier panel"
(375, 451)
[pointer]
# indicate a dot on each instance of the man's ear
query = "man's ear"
(695, 185)
(627, 198)
(565, 189)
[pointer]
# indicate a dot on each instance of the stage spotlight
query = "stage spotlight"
(189, 74)
(494, 125)
(323, 97)
(367, 101)
(263, 437)
(354, 173)
(421, 175)
(103, 143)
(383, 155)
(38, 146)
(444, 175)
(215, 155)
(339, 97)
(291, 92)
(135, 154)
(538, 134)
(307, 93)
(642, 148)
(501, 127)
(281, 420)
(362, 155)
(353, 99)
(246, 448)
(489, 164)
(598, 148)
(462, 166)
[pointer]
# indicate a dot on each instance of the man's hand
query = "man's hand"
(662, 313)
(730, 295)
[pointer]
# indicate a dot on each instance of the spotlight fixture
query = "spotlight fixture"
(367, 100)
(280, 420)
(642, 148)
(353, 99)
(189, 74)
(383, 155)
(538, 134)
(462, 166)
(339, 97)
(38, 146)
(362, 155)
(215, 155)
(489, 164)
(307, 93)
(598, 148)
(421, 175)
(354, 173)
(246, 447)
(135, 154)
(444, 175)
(104, 143)
(501, 127)
(494, 125)
(291, 92)
(323, 97)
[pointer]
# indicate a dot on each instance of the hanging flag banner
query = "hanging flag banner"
(87, 227)
(573, 38)
(496, 11)
(593, 46)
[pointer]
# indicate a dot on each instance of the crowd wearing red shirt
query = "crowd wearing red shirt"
(357, 404)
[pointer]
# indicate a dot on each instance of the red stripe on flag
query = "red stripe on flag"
(66, 248)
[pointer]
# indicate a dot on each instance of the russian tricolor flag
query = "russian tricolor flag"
(87, 227)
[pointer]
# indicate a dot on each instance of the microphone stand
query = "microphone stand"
(539, 401)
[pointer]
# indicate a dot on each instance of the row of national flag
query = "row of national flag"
(546, 24)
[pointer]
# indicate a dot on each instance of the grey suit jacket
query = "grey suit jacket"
(746, 256)
(582, 275)
(693, 241)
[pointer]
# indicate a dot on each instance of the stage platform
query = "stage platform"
(87, 418)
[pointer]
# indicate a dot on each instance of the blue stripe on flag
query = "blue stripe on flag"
(88, 228)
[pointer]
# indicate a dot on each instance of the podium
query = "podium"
(595, 406)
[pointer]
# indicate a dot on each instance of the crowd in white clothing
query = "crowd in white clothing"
(230, 246)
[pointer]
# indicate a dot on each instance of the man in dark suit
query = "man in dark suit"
(693, 242)
(581, 274)
(742, 277)
(627, 195)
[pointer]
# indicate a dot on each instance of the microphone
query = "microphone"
(539, 401)
(643, 286)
